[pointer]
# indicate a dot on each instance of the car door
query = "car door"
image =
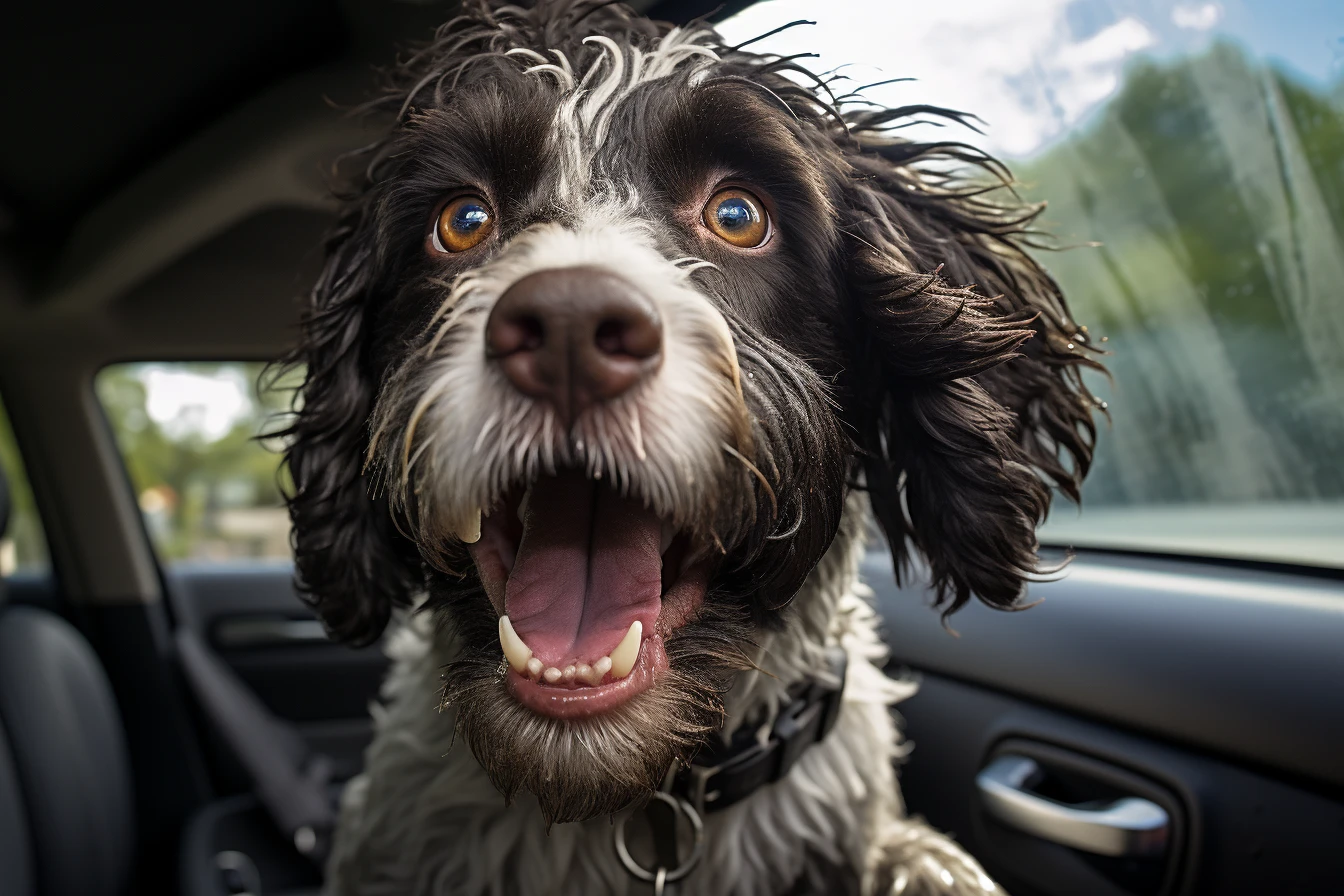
(1167, 714)
(1154, 725)
(209, 495)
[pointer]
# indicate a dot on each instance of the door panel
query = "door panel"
(251, 616)
(1217, 686)
(1246, 831)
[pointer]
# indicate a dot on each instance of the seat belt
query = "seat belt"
(292, 782)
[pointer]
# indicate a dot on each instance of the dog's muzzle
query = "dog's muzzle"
(579, 570)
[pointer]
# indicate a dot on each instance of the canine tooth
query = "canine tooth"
(624, 656)
(569, 673)
(552, 674)
(534, 667)
(515, 651)
(668, 534)
(470, 531)
(522, 506)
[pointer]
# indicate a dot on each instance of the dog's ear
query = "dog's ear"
(970, 401)
(351, 565)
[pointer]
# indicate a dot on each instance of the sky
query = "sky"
(186, 403)
(1034, 69)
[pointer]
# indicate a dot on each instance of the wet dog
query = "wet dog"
(621, 335)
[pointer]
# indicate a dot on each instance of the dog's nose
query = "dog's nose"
(574, 337)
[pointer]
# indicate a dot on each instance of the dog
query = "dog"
(623, 338)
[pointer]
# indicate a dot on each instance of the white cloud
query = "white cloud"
(185, 403)
(1197, 18)
(1016, 65)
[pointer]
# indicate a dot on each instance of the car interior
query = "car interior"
(1166, 718)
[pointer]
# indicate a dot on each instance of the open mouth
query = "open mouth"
(587, 584)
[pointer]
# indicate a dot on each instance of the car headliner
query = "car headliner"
(99, 95)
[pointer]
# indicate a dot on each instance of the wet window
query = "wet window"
(1200, 147)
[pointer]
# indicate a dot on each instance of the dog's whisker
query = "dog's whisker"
(636, 437)
(490, 423)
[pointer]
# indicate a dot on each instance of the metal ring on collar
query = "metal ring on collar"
(676, 874)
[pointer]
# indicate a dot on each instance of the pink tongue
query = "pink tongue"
(588, 565)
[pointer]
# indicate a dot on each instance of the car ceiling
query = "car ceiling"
(98, 94)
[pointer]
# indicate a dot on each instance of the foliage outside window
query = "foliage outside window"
(22, 546)
(208, 486)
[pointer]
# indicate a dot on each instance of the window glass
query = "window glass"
(23, 549)
(1192, 153)
(208, 486)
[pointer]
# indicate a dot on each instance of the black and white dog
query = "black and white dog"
(621, 335)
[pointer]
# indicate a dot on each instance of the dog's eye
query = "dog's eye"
(737, 217)
(463, 224)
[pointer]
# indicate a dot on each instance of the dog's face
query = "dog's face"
(614, 321)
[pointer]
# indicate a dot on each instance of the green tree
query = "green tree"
(1214, 186)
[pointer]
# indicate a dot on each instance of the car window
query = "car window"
(23, 548)
(1192, 154)
(208, 485)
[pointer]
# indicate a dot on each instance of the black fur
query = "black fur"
(898, 336)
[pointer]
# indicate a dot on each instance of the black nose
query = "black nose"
(574, 337)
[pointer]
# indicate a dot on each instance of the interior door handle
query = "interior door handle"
(1128, 826)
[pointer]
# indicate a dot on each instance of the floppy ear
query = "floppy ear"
(351, 564)
(971, 402)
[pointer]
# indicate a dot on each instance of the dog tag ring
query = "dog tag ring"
(662, 878)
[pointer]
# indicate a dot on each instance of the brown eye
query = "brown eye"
(737, 217)
(463, 224)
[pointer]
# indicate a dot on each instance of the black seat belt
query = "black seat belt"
(292, 782)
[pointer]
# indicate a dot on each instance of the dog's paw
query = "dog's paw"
(915, 860)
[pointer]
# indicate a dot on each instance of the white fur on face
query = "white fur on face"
(670, 441)
(581, 123)
(450, 426)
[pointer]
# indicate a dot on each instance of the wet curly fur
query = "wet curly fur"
(897, 339)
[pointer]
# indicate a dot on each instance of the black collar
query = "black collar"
(722, 775)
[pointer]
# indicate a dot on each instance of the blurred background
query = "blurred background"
(1192, 155)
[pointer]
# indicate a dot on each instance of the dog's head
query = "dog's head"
(614, 319)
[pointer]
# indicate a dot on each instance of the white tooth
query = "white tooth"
(601, 668)
(552, 674)
(515, 651)
(624, 656)
(534, 667)
(522, 506)
(470, 530)
(570, 672)
(584, 673)
(668, 534)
